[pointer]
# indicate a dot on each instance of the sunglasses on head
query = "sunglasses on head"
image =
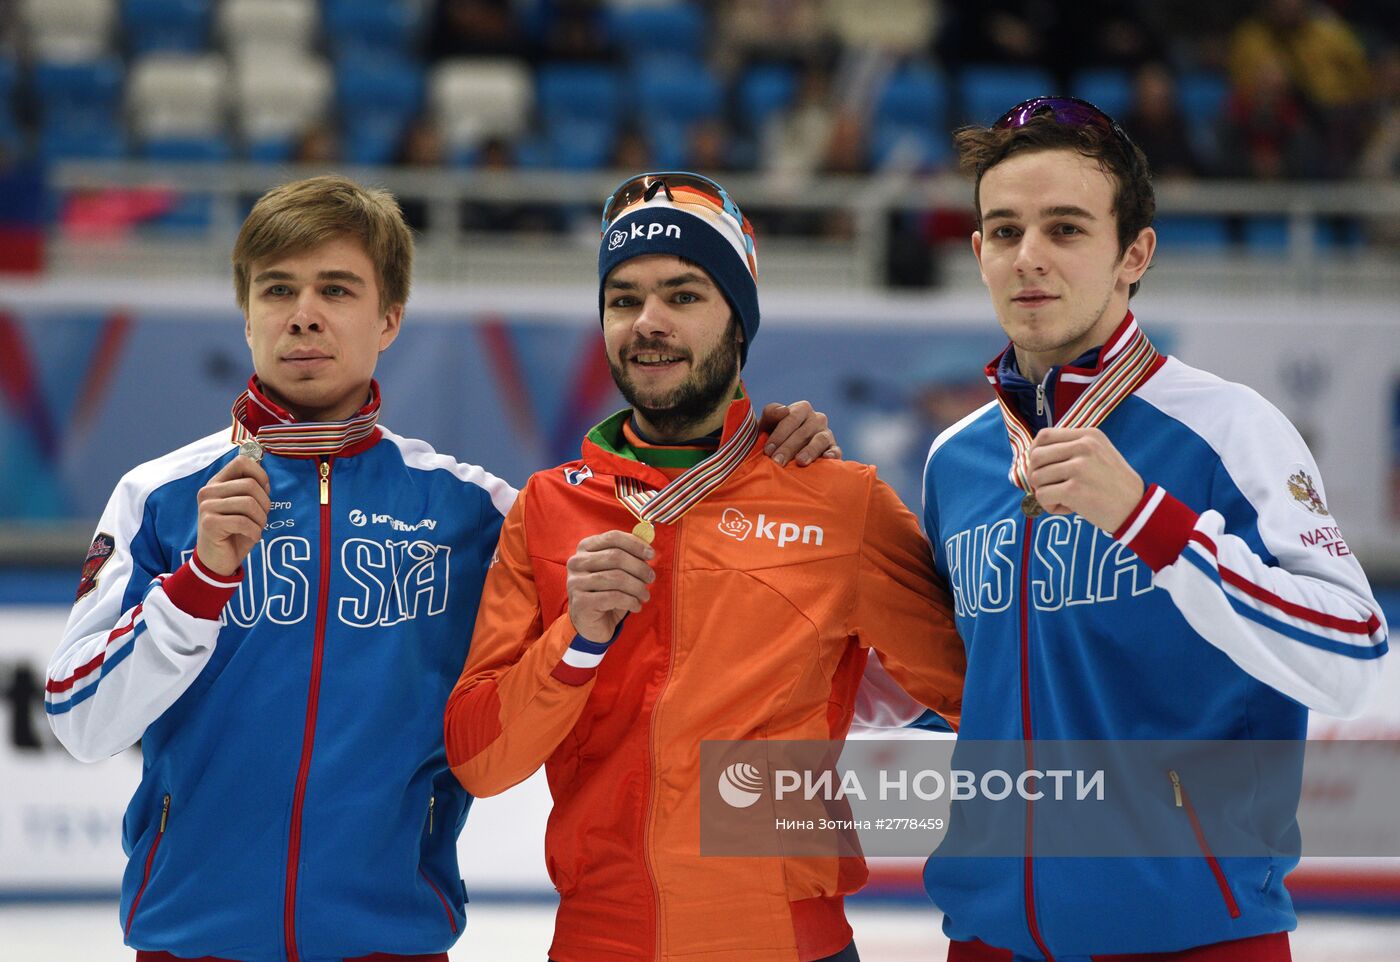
(680, 187)
(1068, 112)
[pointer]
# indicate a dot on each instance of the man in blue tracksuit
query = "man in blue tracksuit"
(1136, 550)
(279, 611)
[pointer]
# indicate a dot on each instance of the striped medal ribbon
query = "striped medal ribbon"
(651, 507)
(305, 439)
(1127, 363)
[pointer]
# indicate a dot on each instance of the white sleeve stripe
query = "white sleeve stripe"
(1143, 516)
(575, 658)
(209, 578)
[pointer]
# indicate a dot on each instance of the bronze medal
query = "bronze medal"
(1030, 507)
(644, 530)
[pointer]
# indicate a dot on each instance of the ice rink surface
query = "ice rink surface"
(503, 932)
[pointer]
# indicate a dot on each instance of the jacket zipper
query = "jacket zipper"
(150, 860)
(432, 802)
(1184, 801)
(309, 732)
(1026, 736)
(652, 754)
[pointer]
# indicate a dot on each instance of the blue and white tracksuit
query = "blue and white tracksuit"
(1225, 607)
(295, 801)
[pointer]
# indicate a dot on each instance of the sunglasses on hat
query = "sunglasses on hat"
(681, 187)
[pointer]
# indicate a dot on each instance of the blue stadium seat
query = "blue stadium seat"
(1183, 233)
(186, 149)
(1202, 95)
(987, 92)
(679, 91)
(270, 150)
(372, 137)
(915, 94)
(9, 75)
(764, 90)
(909, 126)
(390, 86)
(377, 99)
(85, 93)
(578, 90)
(909, 146)
(674, 30)
(103, 140)
(669, 139)
(180, 26)
(370, 28)
(1109, 89)
(1266, 235)
(581, 143)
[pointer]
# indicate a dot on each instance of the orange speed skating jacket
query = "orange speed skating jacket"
(767, 595)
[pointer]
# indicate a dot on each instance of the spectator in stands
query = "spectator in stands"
(767, 31)
(498, 155)
(422, 146)
(893, 26)
(630, 150)
(474, 28)
(317, 144)
(1380, 160)
(1061, 38)
(1324, 61)
(795, 140)
(710, 148)
(1156, 124)
(1265, 132)
(574, 33)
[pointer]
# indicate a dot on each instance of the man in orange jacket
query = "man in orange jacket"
(741, 598)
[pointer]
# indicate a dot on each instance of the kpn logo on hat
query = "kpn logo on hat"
(689, 224)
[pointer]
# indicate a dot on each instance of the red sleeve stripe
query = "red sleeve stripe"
(571, 675)
(82, 671)
(1259, 593)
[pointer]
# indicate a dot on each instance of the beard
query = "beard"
(693, 400)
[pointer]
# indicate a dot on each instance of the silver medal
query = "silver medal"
(251, 450)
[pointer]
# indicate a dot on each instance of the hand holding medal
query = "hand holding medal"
(1079, 471)
(233, 507)
(609, 577)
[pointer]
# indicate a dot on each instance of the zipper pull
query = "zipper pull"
(1040, 400)
(164, 812)
(325, 482)
(432, 800)
(1176, 786)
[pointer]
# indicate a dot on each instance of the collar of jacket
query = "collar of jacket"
(1064, 384)
(600, 447)
(263, 412)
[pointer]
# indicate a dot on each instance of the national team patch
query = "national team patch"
(577, 476)
(98, 555)
(1300, 485)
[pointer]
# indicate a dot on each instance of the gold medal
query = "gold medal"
(251, 450)
(644, 530)
(1030, 507)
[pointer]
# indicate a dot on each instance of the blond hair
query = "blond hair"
(303, 214)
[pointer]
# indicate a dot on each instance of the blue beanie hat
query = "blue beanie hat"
(696, 231)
